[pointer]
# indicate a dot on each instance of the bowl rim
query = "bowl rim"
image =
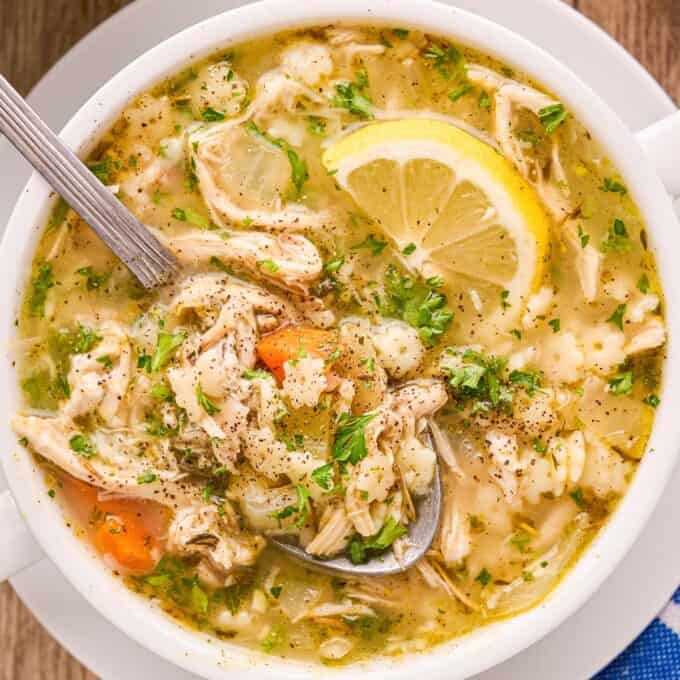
(498, 641)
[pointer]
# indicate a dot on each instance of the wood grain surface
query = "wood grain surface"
(36, 33)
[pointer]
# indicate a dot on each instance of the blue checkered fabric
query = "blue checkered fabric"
(655, 655)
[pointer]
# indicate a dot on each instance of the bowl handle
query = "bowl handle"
(18, 548)
(661, 142)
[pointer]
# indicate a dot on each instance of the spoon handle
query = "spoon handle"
(117, 227)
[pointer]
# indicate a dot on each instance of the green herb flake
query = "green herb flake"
(350, 438)
(521, 540)
(539, 446)
(652, 400)
(577, 496)
(323, 476)
(409, 249)
(622, 383)
(300, 509)
(617, 316)
(583, 237)
(617, 240)
(555, 325)
(612, 186)
(105, 361)
(204, 402)
(83, 446)
(371, 243)
(484, 577)
(361, 549)
(350, 97)
(94, 281)
(484, 101)
(40, 284)
(316, 125)
(211, 115)
(147, 478)
(276, 591)
(643, 284)
(166, 346)
(460, 92)
(552, 117)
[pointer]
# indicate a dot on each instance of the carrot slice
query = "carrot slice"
(292, 342)
(123, 536)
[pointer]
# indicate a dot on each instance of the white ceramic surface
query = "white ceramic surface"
(668, 396)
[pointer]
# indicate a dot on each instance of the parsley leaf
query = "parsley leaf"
(40, 284)
(301, 508)
(617, 316)
(530, 381)
(166, 347)
(316, 125)
(84, 340)
(372, 244)
(94, 280)
(350, 438)
(147, 478)
(521, 540)
(612, 186)
(552, 117)
(323, 476)
(460, 92)
(577, 496)
(484, 577)
(554, 324)
(204, 402)
(211, 115)
(418, 303)
(622, 384)
(256, 374)
(83, 446)
(443, 58)
(269, 266)
(583, 237)
(652, 400)
(361, 549)
(643, 284)
(349, 96)
(617, 240)
(484, 101)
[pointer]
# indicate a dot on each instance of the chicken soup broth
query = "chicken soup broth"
(382, 236)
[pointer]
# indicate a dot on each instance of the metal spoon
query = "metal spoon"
(421, 533)
(140, 251)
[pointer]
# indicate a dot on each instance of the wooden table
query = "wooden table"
(650, 29)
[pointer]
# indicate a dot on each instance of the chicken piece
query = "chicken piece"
(639, 308)
(305, 380)
(394, 422)
(307, 61)
(290, 261)
(560, 358)
(454, 533)
(213, 533)
(587, 260)
(651, 335)
(114, 465)
(335, 530)
(335, 609)
(218, 87)
(272, 458)
(511, 94)
(416, 463)
(504, 467)
(259, 503)
(99, 379)
(443, 446)
(241, 177)
(398, 347)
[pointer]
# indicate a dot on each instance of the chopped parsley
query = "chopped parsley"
(268, 266)
(643, 284)
(350, 438)
(484, 577)
(211, 115)
(552, 117)
(162, 392)
(418, 303)
(275, 591)
(40, 284)
(617, 316)
(192, 217)
(316, 125)
(371, 243)
(521, 540)
(94, 281)
(460, 92)
(84, 340)
(102, 169)
(612, 186)
(443, 58)
(622, 383)
(83, 446)
(505, 294)
(401, 33)
(222, 266)
(554, 324)
(539, 446)
(479, 381)
(577, 496)
(361, 549)
(652, 400)
(256, 374)
(204, 402)
(323, 476)
(105, 361)
(529, 380)
(300, 508)
(409, 249)
(351, 96)
(583, 237)
(147, 478)
(298, 166)
(167, 344)
(617, 240)
(334, 264)
(484, 101)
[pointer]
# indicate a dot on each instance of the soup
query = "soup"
(397, 255)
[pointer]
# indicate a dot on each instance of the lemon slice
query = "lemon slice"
(453, 207)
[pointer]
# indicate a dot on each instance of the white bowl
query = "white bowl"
(486, 646)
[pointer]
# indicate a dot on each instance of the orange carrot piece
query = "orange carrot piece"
(292, 342)
(123, 536)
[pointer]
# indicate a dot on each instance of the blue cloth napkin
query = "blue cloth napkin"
(655, 655)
